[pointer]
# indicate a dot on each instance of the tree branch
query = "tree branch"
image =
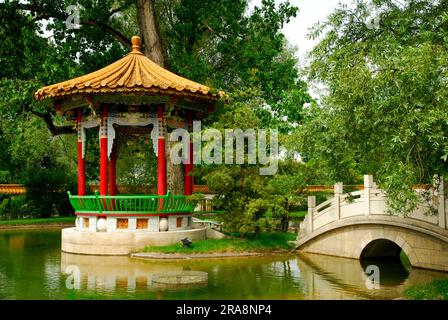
(45, 14)
(107, 28)
(206, 27)
(119, 9)
(54, 130)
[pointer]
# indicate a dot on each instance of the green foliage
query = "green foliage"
(48, 221)
(240, 192)
(38, 160)
(405, 262)
(298, 214)
(12, 207)
(195, 198)
(239, 188)
(137, 163)
(47, 191)
(253, 203)
(436, 290)
(218, 43)
(385, 108)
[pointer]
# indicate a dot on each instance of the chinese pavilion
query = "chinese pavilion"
(137, 95)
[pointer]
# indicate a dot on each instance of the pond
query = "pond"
(33, 267)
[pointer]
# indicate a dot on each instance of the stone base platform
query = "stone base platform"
(122, 243)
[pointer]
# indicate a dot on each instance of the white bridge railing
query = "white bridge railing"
(370, 202)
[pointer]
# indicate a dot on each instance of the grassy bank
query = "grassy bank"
(436, 290)
(46, 221)
(265, 242)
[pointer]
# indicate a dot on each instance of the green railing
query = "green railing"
(130, 204)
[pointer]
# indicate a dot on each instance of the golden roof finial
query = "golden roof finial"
(136, 42)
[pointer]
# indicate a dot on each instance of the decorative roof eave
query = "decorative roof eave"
(134, 74)
(135, 91)
(68, 102)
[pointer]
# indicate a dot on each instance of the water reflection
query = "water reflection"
(241, 278)
(392, 272)
(327, 277)
(33, 267)
(305, 276)
(29, 264)
(16, 242)
(106, 273)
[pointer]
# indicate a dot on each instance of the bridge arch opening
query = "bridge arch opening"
(381, 249)
(391, 260)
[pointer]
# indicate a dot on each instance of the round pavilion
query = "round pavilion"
(137, 94)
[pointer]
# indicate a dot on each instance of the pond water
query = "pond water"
(33, 267)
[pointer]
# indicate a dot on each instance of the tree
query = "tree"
(215, 42)
(253, 203)
(240, 189)
(218, 43)
(385, 108)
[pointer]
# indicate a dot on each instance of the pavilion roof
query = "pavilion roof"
(133, 74)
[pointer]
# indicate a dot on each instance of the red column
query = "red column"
(81, 161)
(161, 159)
(113, 170)
(103, 152)
(188, 179)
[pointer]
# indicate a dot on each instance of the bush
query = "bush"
(12, 207)
(436, 290)
(47, 192)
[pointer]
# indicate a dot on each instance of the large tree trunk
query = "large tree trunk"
(175, 174)
(149, 29)
(155, 50)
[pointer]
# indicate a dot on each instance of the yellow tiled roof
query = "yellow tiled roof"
(134, 73)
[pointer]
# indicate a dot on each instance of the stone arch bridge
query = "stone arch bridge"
(357, 225)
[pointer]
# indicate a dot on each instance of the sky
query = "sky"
(311, 11)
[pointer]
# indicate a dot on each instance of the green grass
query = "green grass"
(436, 290)
(58, 220)
(263, 243)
